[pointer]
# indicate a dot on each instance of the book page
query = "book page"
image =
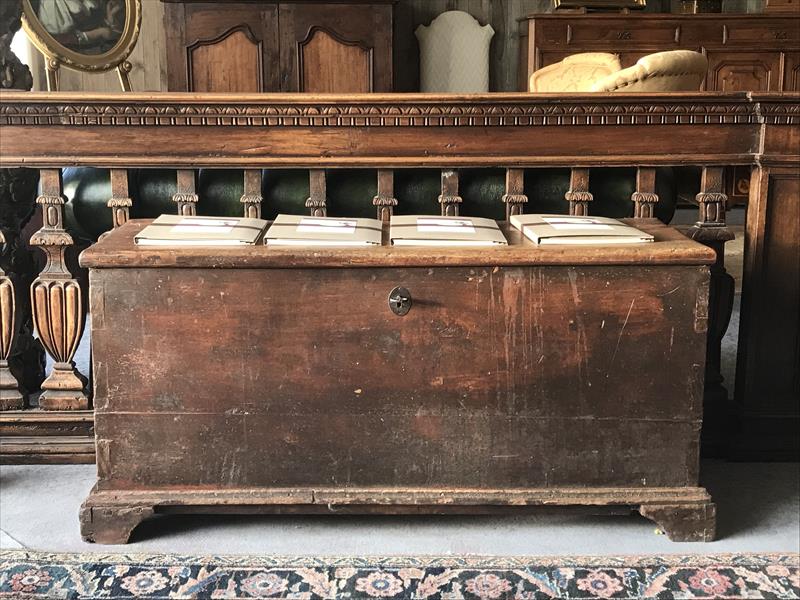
(432, 224)
(576, 223)
(312, 225)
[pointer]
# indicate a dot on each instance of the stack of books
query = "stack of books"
(420, 230)
(296, 230)
(175, 230)
(565, 229)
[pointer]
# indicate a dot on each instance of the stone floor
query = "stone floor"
(758, 508)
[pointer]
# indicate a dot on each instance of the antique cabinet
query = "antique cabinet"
(745, 52)
(279, 46)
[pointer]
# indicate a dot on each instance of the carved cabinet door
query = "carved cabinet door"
(230, 48)
(335, 47)
(744, 71)
(791, 72)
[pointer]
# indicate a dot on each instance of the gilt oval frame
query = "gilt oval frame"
(55, 51)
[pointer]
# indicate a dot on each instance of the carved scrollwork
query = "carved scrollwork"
(514, 203)
(317, 207)
(252, 205)
(644, 204)
(187, 203)
(578, 202)
(120, 210)
(450, 205)
(712, 208)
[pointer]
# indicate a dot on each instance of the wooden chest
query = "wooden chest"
(284, 380)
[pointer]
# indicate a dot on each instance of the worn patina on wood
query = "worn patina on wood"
(280, 380)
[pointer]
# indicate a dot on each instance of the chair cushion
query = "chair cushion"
(672, 71)
(576, 73)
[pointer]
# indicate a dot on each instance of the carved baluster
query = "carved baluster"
(317, 198)
(578, 195)
(515, 196)
(449, 198)
(57, 301)
(711, 230)
(10, 396)
(120, 202)
(645, 197)
(251, 198)
(385, 200)
(185, 196)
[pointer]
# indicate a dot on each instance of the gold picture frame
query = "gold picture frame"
(84, 35)
(599, 4)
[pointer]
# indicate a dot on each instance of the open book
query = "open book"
(565, 229)
(297, 230)
(423, 230)
(175, 230)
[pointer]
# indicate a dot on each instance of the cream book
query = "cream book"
(425, 230)
(565, 229)
(297, 230)
(175, 230)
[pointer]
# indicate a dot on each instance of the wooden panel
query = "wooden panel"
(535, 359)
(744, 71)
(351, 32)
(791, 72)
(211, 62)
(768, 380)
(329, 64)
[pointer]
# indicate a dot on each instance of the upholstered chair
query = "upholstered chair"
(576, 73)
(672, 71)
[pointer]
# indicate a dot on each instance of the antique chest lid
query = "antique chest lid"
(671, 247)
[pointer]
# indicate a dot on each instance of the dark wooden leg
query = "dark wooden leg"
(684, 522)
(111, 524)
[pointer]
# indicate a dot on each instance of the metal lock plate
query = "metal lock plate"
(400, 301)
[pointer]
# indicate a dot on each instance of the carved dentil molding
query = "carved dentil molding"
(477, 113)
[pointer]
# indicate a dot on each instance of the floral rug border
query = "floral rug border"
(473, 561)
(32, 574)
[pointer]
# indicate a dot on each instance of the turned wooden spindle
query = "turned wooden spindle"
(186, 195)
(645, 198)
(57, 302)
(578, 195)
(10, 396)
(515, 197)
(251, 196)
(120, 202)
(317, 201)
(449, 198)
(384, 200)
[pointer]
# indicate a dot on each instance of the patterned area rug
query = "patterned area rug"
(25, 574)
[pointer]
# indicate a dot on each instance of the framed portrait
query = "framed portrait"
(85, 35)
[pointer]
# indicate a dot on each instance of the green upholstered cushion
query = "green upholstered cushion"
(350, 193)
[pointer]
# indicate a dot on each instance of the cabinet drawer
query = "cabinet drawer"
(778, 32)
(609, 32)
